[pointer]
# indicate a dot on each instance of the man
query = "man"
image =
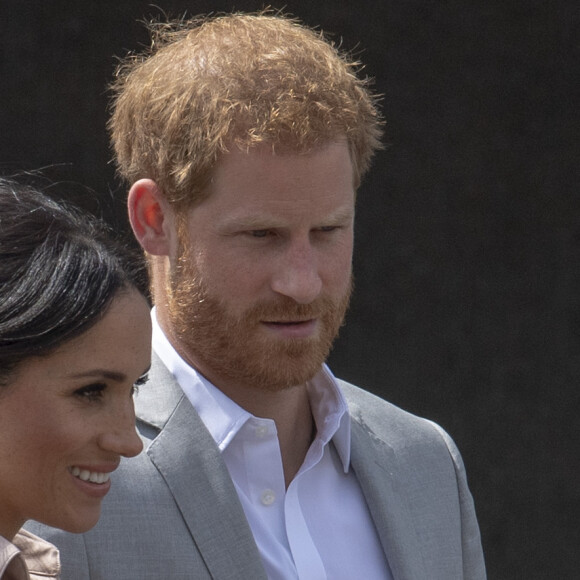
(244, 138)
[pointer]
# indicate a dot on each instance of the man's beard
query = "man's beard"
(238, 348)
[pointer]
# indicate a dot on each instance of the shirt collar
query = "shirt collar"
(38, 557)
(224, 418)
(330, 411)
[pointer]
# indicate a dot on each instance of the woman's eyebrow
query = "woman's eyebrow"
(101, 373)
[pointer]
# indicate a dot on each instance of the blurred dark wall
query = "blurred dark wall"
(467, 302)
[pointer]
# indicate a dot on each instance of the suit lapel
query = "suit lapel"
(381, 478)
(189, 461)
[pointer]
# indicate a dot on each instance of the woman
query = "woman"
(74, 340)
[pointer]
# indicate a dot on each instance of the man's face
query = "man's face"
(262, 279)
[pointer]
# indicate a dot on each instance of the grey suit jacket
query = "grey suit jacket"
(173, 511)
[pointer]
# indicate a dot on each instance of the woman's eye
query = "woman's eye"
(139, 383)
(91, 392)
(141, 380)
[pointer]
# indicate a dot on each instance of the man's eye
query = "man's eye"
(91, 392)
(259, 233)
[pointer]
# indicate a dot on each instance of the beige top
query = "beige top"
(28, 557)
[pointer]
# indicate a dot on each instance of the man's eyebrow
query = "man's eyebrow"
(267, 220)
(250, 222)
(342, 214)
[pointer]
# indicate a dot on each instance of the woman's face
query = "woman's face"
(67, 418)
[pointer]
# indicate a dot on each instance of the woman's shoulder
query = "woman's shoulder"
(41, 557)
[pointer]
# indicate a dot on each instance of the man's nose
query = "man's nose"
(297, 273)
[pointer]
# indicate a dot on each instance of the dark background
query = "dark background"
(467, 306)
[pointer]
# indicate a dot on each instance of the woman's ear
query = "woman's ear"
(150, 217)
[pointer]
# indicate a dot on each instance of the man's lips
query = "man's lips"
(288, 321)
(292, 328)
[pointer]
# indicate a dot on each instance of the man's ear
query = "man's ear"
(151, 217)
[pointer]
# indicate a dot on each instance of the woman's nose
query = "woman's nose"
(121, 436)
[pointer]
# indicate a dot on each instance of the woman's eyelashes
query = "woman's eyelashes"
(139, 383)
(92, 392)
(96, 391)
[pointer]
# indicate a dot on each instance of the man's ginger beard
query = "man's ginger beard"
(236, 348)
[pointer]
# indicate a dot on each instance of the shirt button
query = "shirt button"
(268, 497)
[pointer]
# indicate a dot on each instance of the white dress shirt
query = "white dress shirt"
(320, 527)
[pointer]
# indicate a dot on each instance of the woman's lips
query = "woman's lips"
(95, 482)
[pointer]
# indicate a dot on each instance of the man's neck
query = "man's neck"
(289, 409)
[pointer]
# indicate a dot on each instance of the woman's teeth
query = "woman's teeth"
(92, 476)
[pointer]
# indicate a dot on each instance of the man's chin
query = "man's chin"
(290, 369)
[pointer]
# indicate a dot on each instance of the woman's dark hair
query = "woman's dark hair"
(59, 271)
